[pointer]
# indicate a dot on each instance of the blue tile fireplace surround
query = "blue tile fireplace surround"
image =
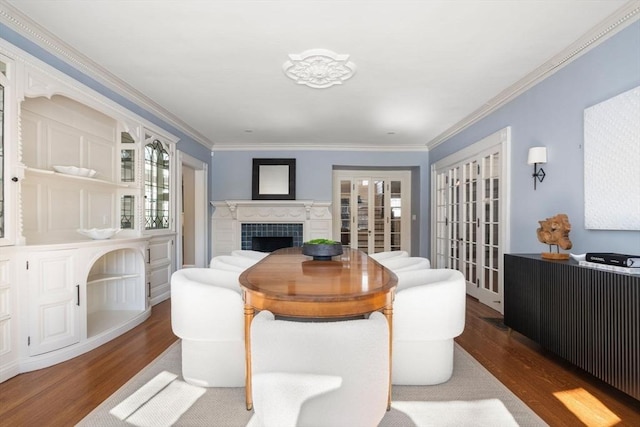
(277, 230)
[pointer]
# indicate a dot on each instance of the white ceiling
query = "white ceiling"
(216, 67)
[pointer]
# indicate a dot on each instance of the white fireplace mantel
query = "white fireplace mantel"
(229, 215)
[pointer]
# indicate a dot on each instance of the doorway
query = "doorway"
(192, 203)
(470, 219)
(372, 210)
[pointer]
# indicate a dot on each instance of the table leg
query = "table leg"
(249, 312)
(388, 312)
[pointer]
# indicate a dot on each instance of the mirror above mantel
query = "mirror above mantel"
(274, 179)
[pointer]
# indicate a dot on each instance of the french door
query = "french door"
(372, 210)
(470, 216)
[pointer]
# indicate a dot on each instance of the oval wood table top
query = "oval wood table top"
(288, 283)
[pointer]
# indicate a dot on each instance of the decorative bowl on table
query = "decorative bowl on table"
(99, 233)
(75, 171)
(322, 249)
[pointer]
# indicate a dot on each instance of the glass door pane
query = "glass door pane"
(2, 183)
(345, 212)
(490, 222)
(362, 191)
(156, 186)
(127, 212)
(127, 158)
(468, 236)
(395, 205)
(377, 242)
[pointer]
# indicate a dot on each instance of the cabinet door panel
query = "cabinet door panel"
(53, 293)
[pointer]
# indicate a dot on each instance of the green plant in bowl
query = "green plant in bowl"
(321, 242)
(322, 249)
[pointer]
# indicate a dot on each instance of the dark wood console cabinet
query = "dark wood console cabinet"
(587, 316)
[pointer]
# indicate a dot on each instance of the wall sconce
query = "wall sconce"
(537, 155)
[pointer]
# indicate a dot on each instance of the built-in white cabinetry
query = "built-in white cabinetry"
(62, 294)
(160, 259)
(78, 296)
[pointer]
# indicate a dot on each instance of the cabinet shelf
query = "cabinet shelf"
(106, 320)
(36, 171)
(98, 278)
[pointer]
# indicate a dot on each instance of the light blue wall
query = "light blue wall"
(551, 114)
(231, 178)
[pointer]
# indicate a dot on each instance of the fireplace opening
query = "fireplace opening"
(270, 243)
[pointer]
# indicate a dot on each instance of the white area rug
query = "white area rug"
(474, 413)
(158, 403)
(461, 401)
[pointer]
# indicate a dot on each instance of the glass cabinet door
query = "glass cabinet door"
(8, 182)
(127, 158)
(2, 160)
(157, 206)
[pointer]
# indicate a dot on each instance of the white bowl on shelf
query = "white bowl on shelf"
(74, 170)
(99, 233)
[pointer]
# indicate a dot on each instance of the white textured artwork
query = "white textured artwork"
(612, 163)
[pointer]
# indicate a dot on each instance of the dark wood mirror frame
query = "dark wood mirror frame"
(283, 189)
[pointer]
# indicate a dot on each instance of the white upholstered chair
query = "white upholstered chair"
(232, 263)
(428, 313)
(207, 314)
(379, 256)
(333, 373)
(397, 264)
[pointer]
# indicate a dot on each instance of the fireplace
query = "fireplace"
(271, 243)
(234, 223)
(267, 237)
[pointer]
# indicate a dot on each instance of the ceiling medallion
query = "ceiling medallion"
(319, 68)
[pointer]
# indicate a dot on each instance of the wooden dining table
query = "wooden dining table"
(291, 284)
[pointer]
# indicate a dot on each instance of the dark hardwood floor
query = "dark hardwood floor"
(63, 394)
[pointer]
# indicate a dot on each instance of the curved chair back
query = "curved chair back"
(232, 263)
(378, 256)
(429, 305)
(257, 255)
(206, 304)
(397, 264)
(357, 351)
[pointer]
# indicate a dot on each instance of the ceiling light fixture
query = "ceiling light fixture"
(319, 68)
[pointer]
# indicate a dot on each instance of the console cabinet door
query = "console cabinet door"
(54, 294)
(160, 267)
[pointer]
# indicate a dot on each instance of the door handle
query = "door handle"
(78, 295)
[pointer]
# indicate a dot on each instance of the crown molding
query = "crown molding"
(37, 34)
(316, 147)
(623, 17)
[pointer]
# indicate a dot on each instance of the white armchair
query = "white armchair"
(428, 313)
(207, 314)
(338, 369)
